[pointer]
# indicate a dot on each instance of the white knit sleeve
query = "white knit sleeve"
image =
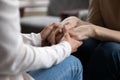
(17, 57)
(32, 39)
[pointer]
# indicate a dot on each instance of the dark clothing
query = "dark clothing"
(105, 13)
(101, 60)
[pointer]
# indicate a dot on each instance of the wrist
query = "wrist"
(95, 31)
(99, 32)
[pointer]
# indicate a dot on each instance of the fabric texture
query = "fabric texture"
(105, 13)
(104, 62)
(69, 69)
(101, 60)
(18, 56)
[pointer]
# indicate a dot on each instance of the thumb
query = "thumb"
(74, 35)
(65, 29)
(67, 36)
(80, 43)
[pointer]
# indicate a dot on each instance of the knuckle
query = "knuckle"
(50, 27)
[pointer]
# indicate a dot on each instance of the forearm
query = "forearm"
(105, 34)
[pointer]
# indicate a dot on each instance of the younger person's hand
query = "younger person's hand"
(46, 33)
(56, 34)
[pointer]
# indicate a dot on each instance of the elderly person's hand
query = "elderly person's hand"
(56, 33)
(73, 42)
(72, 22)
(79, 29)
(83, 32)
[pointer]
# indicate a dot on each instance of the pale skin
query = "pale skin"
(45, 33)
(75, 30)
(69, 23)
(81, 30)
(86, 30)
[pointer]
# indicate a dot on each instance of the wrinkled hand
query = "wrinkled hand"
(79, 29)
(71, 22)
(83, 32)
(73, 42)
(57, 33)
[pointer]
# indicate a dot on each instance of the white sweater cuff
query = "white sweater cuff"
(32, 39)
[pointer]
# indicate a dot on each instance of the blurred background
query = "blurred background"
(37, 14)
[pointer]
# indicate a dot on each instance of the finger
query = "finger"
(59, 37)
(49, 29)
(74, 35)
(54, 25)
(67, 36)
(69, 24)
(67, 19)
(46, 31)
(51, 37)
(53, 34)
(57, 25)
(65, 29)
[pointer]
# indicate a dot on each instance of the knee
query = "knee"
(104, 62)
(109, 49)
(73, 61)
(73, 64)
(108, 53)
(75, 67)
(108, 56)
(111, 46)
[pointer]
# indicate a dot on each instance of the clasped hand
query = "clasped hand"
(72, 30)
